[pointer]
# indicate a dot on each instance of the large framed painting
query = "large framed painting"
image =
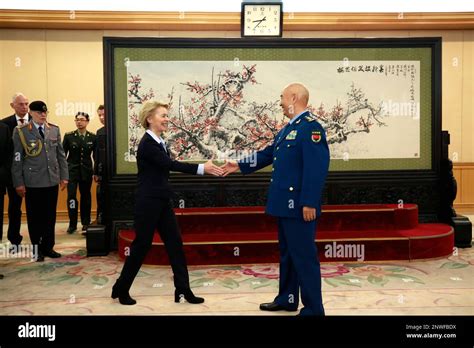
(379, 101)
(376, 99)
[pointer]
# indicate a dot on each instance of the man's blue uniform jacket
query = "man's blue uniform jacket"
(300, 158)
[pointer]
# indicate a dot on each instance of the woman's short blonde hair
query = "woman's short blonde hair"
(148, 109)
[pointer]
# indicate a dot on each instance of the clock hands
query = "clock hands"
(259, 21)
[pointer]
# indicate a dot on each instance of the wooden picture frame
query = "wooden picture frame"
(353, 181)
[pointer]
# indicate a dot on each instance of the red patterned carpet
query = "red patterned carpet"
(79, 285)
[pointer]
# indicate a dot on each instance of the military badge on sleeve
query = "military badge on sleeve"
(316, 136)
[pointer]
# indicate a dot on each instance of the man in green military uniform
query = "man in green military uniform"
(79, 147)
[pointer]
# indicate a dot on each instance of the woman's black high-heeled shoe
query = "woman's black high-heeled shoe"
(188, 295)
(124, 299)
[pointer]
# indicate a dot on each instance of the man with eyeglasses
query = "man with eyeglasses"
(79, 146)
(38, 167)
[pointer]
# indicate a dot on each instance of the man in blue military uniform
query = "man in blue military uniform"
(300, 158)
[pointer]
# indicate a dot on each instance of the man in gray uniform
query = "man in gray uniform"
(39, 166)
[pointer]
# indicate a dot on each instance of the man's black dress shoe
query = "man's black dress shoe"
(38, 257)
(273, 307)
(84, 227)
(52, 254)
(71, 230)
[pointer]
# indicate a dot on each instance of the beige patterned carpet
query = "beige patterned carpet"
(76, 285)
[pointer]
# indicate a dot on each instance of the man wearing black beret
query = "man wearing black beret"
(39, 166)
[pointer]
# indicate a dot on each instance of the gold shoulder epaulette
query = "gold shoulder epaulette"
(310, 118)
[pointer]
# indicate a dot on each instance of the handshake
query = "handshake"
(227, 168)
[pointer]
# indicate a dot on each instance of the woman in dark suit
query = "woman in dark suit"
(153, 209)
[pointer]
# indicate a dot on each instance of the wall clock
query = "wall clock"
(262, 19)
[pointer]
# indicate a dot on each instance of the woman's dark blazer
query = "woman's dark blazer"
(154, 166)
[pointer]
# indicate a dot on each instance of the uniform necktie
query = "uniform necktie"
(40, 129)
(22, 120)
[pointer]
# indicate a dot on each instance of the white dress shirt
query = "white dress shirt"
(297, 117)
(37, 125)
(25, 119)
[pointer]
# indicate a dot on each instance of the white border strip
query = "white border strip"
(343, 6)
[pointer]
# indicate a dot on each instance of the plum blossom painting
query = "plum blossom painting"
(218, 108)
(375, 98)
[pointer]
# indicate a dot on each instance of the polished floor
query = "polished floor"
(77, 285)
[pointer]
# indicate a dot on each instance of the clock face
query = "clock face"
(261, 19)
